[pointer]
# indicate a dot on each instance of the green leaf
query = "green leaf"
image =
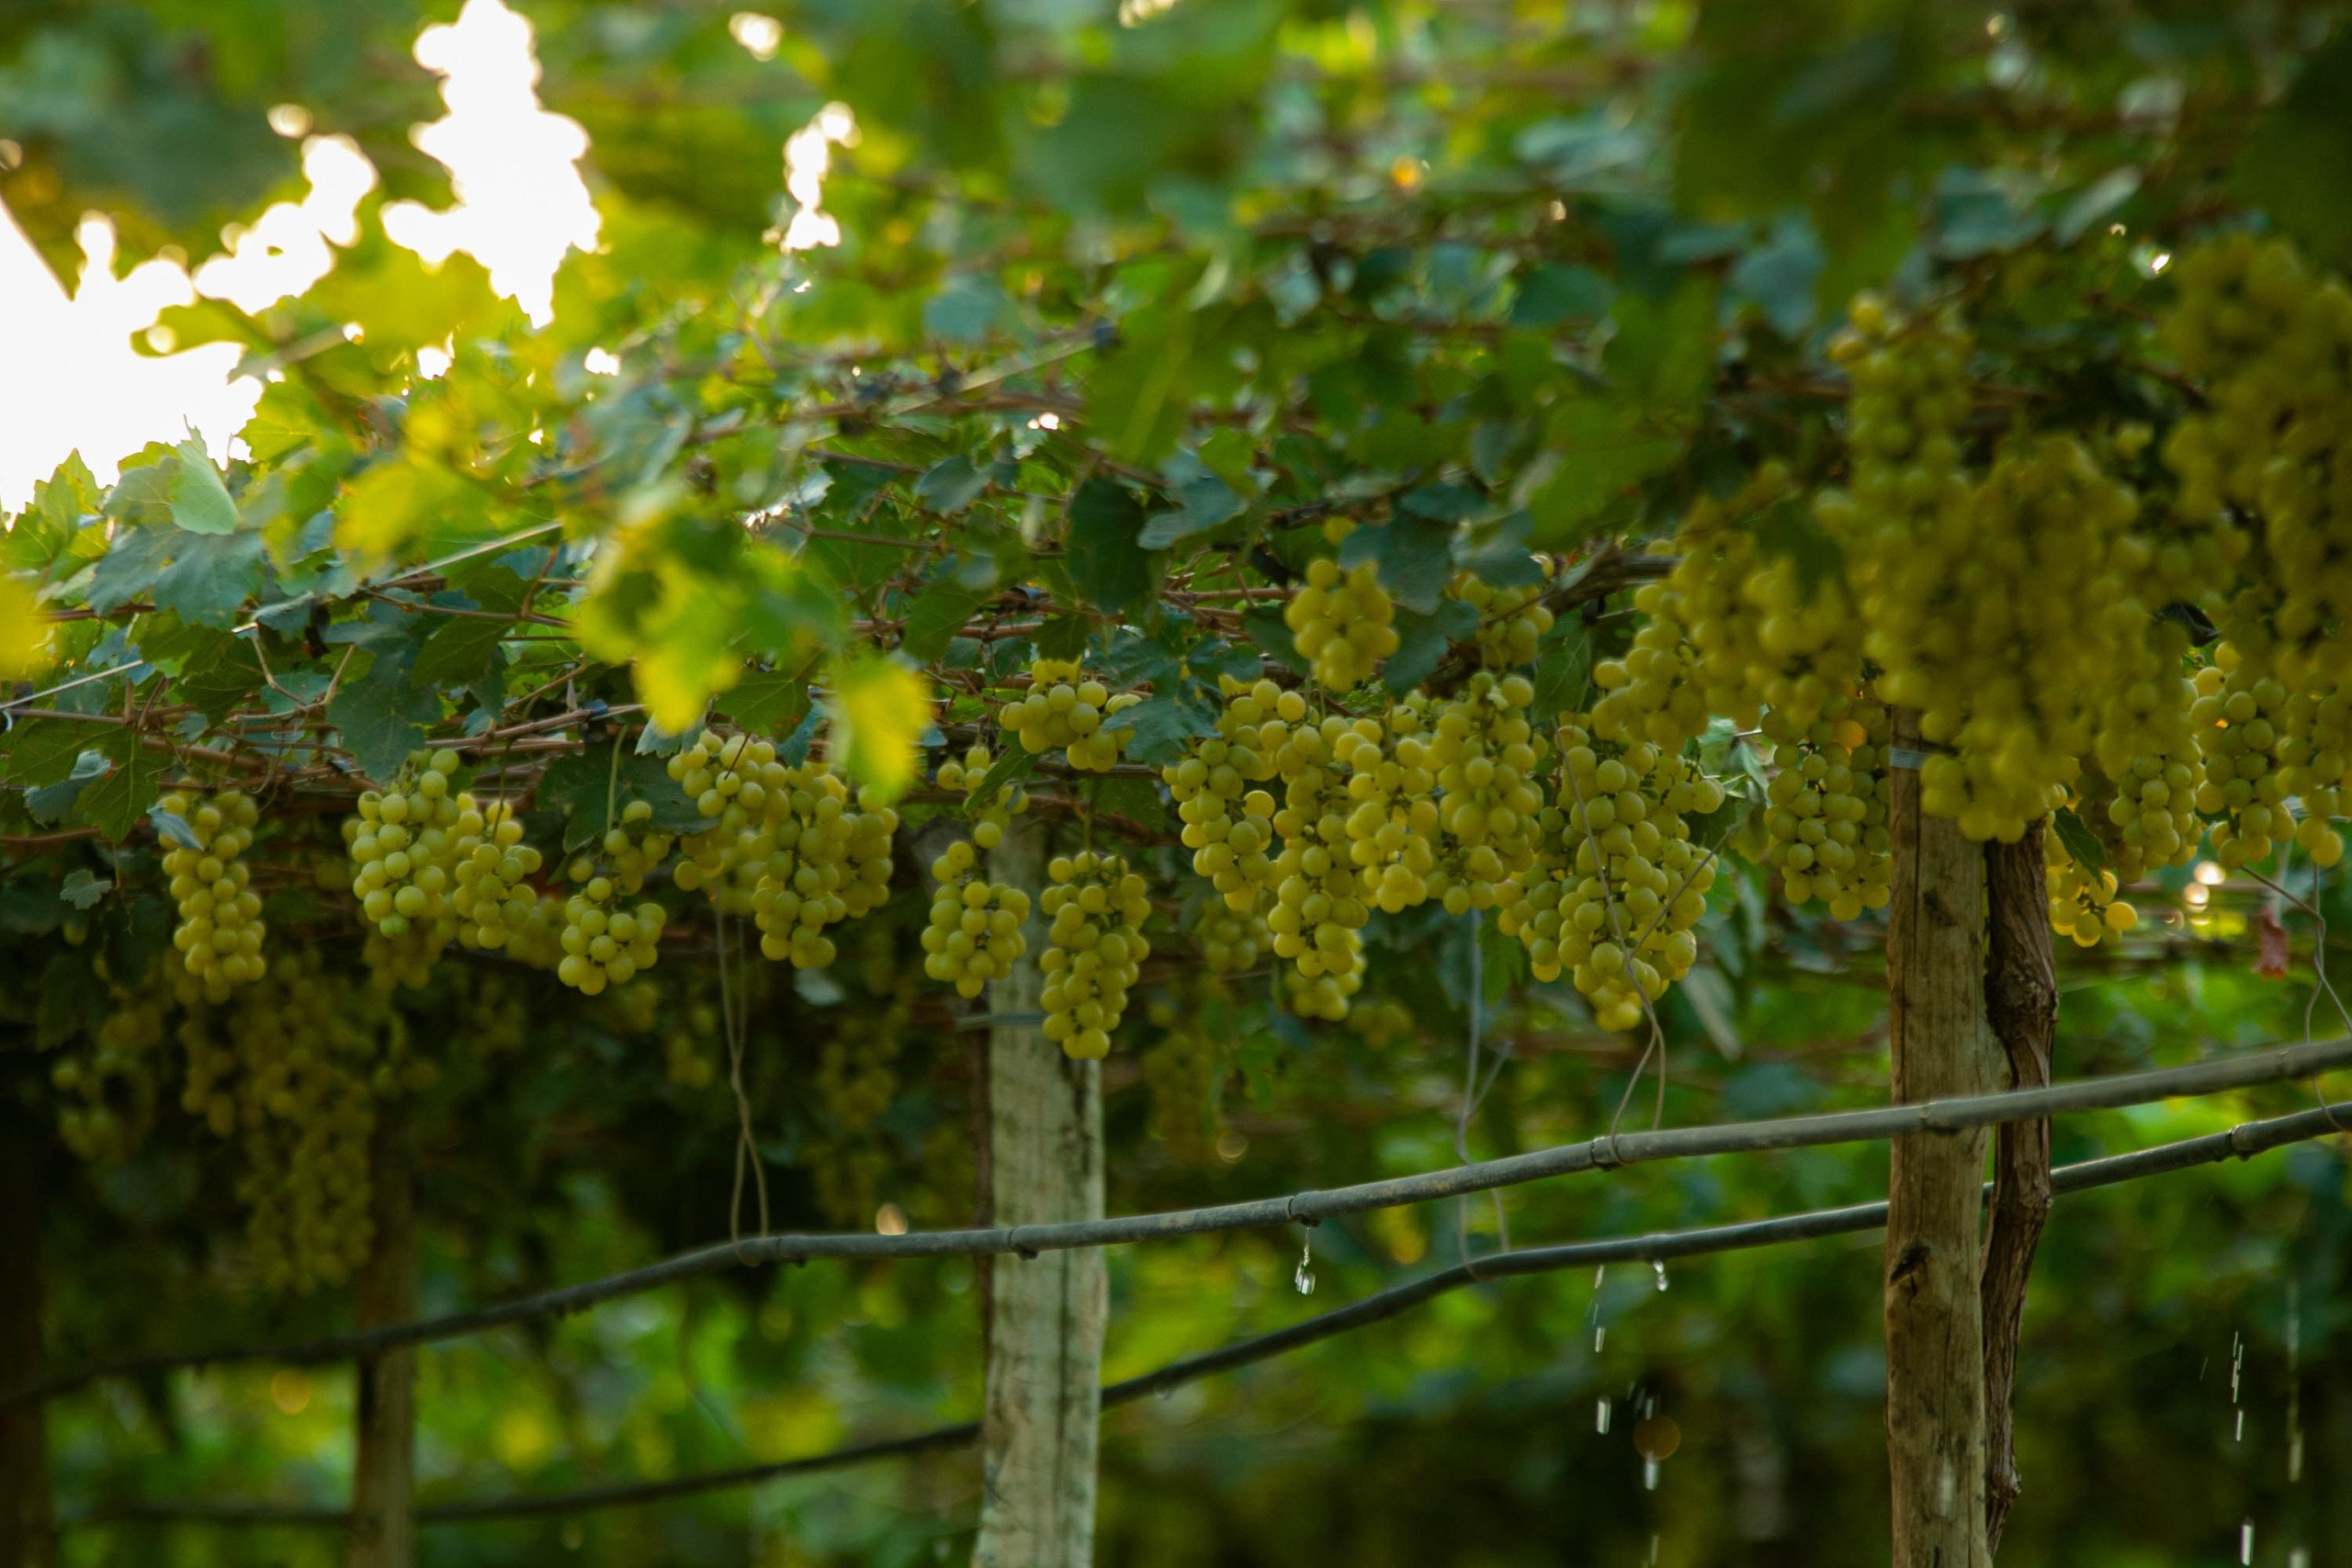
(116, 804)
(170, 827)
(41, 751)
(1416, 559)
(1202, 505)
(383, 716)
(73, 998)
(881, 708)
(200, 502)
(1779, 276)
(1422, 639)
(1550, 294)
(2298, 164)
(1976, 217)
(1106, 560)
(1272, 637)
(460, 651)
(767, 702)
(211, 578)
(219, 675)
(937, 614)
(1160, 725)
(1563, 667)
(968, 309)
(83, 889)
(950, 486)
(1015, 765)
(590, 794)
(2080, 842)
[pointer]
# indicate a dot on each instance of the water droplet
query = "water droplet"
(1600, 1418)
(1653, 1547)
(1649, 1476)
(2240, 1437)
(2245, 1542)
(1303, 1277)
(2299, 1558)
(1597, 1275)
(1659, 1265)
(2295, 1457)
(1600, 1334)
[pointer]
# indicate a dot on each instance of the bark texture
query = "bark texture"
(27, 1539)
(1940, 1046)
(1045, 1313)
(383, 1480)
(2022, 1003)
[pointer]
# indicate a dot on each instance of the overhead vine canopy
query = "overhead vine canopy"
(1333, 465)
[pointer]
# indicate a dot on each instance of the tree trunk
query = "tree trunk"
(2022, 1003)
(1935, 1338)
(26, 1538)
(383, 1482)
(1046, 1312)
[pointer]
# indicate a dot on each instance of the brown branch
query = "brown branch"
(2021, 1005)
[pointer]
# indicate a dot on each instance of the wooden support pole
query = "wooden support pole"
(1940, 1046)
(2021, 1004)
(26, 1536)
(1046, 1312)
(383, 1481)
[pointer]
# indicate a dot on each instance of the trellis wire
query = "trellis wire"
(2241, 1141)
(1606, 1153)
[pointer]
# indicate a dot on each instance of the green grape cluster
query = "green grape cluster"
(1511, 621)
(977, 932)
(1318, 913)
(2138, 790)
(2084, 905)
(491, 901)
(1063, 711)
(295, 1071)
(107, 1083)
(604, 943)
(1095, 949)
(1185, 1072)
(1826, 813)
(220, 931)
(404, 847)
(738, 783)
(825, 858)
(1383, 1023)
(1232, 942)
(2237, 714)
(1393, 816)
(1484, 751)
(857, 1081)
(1228, 823)
(1615, 895)
(1341, 621)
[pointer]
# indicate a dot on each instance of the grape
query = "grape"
(107, 1083)
(219, 933)
(491, 900)
(1228, 824)
(604, 942)
(2237, 714)
(976, 933)
(1392, 818)
(1485, 753)
(2083, 902)
(1511, 621)
(825, 859)
(1318, 912)
(1825, 808)
(1185, 1072)
(404, 854)
(1341, 623)
(1064, 709)
(1232, 942)
(1617, 885)
(1095, 948)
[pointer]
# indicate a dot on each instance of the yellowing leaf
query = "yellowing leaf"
(24, 635)
(880, 709)
(388, 507)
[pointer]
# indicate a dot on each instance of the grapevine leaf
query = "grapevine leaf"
(200, 502)
(950, 486)
(460, 651)
(881, 708)
(172, 828)
(1561, 667)
(1106, 558)
(2080, 842)
(590, 794)
(42, 751)
(765, 700)
(1017, 763)
(1160, 725)
(210, 577)
(1271, 635)
(937, 614)
(383, 716)
(1422, 640)
(1202, 505)
(115, 803)
(1550, 294)
(223, 671)
(82, 888)
(73, 998)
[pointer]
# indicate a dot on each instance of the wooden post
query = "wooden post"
(25, 1536)
(1045, 1313)
(1935, 1337)
(383, 1481)
(2022, 1003)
